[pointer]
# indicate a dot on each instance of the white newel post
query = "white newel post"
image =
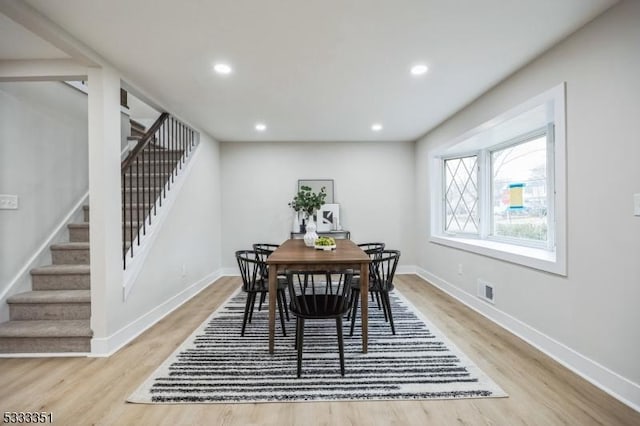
(105, 203)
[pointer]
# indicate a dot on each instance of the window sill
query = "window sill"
(535, 258)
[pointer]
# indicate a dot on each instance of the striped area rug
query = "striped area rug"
(216, 365)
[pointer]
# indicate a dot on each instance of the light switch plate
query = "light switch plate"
(8, 202)
(636, 204)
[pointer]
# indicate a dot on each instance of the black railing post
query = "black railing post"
(151, 165)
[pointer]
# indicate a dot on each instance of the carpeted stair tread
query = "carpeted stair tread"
(52, 296)
(46, 328)
(82, 225)
(62, 270)
(70, 246)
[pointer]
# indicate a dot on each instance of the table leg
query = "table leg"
(364, 304)
(273, 284)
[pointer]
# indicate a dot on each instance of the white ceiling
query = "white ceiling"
(17, 43)
(313, 70)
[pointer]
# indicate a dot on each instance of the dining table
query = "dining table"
(293, 254)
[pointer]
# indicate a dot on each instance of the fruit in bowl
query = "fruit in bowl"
(325, 243)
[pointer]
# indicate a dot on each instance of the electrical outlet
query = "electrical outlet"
(636, 204)
(8, 202)
(459, 268)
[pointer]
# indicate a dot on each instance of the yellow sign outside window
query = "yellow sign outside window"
(515, 195)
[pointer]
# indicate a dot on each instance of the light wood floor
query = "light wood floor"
(83, 391)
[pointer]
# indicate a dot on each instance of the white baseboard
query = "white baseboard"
(104, 347)
(609, 381)
(406, 269)
(230, 272)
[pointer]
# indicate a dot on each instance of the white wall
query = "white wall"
(186, 254)
(373, 183)
(590, 318)
(43, 160)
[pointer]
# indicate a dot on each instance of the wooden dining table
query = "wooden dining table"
(293, 254)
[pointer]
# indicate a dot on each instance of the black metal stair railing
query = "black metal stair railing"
(148, 173)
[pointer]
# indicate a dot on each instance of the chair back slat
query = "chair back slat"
(263, 251)
(383, 270)
(251, 269)
(372, 249)
(316, 294)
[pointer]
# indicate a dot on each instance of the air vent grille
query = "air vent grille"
(486, 291)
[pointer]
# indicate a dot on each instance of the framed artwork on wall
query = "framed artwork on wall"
(328, 218)
(316, 185)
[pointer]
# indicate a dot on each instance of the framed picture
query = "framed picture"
(316, 185)
(328, 218)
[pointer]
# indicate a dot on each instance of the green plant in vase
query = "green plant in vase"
(307, 202)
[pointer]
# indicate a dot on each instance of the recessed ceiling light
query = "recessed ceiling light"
(376, 127)
(261, 127)
(222, 68)
(419, 69)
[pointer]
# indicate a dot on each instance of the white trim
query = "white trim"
(107, 346)
(41, 69)
(40, 255)
(602, 377)
(230, 272)
(552, 258)
(153, 227)
(527, 256)
(406, 269)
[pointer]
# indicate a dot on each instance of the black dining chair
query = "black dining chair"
(254, 283)
(264, 250)
(381, 273)
(373, 250)
(315, 296)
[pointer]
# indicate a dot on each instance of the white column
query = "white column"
(105, 203)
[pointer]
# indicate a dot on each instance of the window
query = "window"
(519, 191)
(461, 199)
(495, 190)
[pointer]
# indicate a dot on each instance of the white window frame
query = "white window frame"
(548, 256)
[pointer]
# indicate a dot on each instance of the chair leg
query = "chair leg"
(279, 301)
(354, 311)
(253, 302)
(300, 343)
(351, 298)
(385, 311)
(377, 299)
(283, 295)
(295, 342)
(246, 314)
(263, 297)
(340, 344)
(387, 301)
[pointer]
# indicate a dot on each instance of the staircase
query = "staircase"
(55, 316)
(141, 187)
